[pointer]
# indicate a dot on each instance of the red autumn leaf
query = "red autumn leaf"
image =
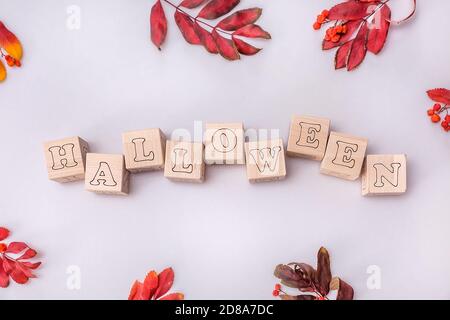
(29, 253)
(173, 296)
(350, 10)
(16, 247)
(358, 50)
(134, 291)
(252, 31)
(30, 265)
(158, 23)
(245, 48)
(150, 285)
(14, 271)
(379, 30)
(352, 26)
(440, 95)
(191, 4)
(4, 233)
(340, 60)
(206, 39)
(4, 277)
(186, 26)
(165, 282)
(226, 47)
(10, 43)
(240, 19)
(217, 8)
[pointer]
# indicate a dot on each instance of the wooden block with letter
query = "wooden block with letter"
(308, 137)
(66, 159)
(265, 160)
(144, 150)
(344, 156)
(106, 173)
(224, 143)
(184, 161)
(384, 175)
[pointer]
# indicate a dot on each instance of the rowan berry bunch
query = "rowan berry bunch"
(440, 110)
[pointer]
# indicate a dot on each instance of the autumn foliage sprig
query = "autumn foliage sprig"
(13, 261)
(440, 110)
(313, 284)
(224, 38)
(358, 26)
(10, 50)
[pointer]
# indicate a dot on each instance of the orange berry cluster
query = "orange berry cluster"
(277, 290)
(434, 114)
(334, 34)
(12, 62)
(321, 19)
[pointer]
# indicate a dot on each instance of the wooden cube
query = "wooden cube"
(144, 150)
(344, 156)
(384, 175)
(308, 137)
(265, 160)
(224, 143)
(66, 159)
(106, 173)
(184, 161)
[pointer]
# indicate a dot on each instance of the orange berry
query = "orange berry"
(430, 112)
(321, 18)
(447, 118)
(435, 118)
(335, 39)
(2, 247)
(278, 287)
(437, 107)
(275, 293)
(327, 38)
(344, 28)
(17, 63)
(325, 13)
(10, 61)
(339, 29)
(317, 26)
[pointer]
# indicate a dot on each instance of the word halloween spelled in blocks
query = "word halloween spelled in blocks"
(184, 161)
(265, 160)
(144, 150)
(308, 137)
(224, 143)
(66, 159)
(344, 156)
(106, 173)
(384, 175)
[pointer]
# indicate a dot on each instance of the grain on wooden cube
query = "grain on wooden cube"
(265, 160)
(184, 161)
(308, 137)
(224, 143)
(144, 150)
(384, 175)
(66, 159)
(344, 156)
(106, 173)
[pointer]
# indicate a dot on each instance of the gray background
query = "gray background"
(225, 237)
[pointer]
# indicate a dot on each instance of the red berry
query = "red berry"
(437, 107)
(444, 124)
(278, 287)
(317, 25)
(275, 293)
(435, 118)
(430, 112)
(447, 118)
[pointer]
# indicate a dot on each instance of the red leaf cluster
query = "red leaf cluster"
(224, 38)
(13, 261)
(366, 24)
(155, 287)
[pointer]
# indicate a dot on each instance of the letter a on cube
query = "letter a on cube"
(344, 156)
(308, 137)
(224, 143)
(106, 173)
(184, 161)
(265, 160)
(66, 159)
(384, 175)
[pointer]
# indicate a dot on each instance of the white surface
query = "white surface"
(224, 237)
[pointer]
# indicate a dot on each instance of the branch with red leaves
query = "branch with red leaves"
(10, 50)
(155, 287)
(224, 38)
(13, 261)
(314, 284)
(440, 110)
(359, 26)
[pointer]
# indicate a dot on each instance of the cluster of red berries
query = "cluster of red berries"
(12, 62)
(334, 34)
(321, 19)
(277, 290)
(434, 114)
